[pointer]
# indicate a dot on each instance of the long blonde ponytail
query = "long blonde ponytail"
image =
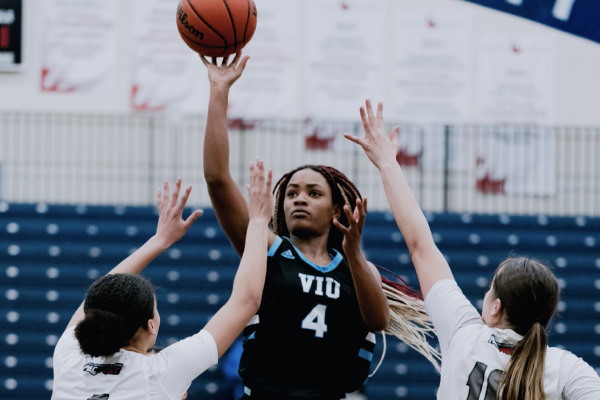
(408, 320)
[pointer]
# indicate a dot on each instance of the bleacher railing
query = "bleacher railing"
(123, 159)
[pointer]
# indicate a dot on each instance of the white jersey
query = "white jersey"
(127, 375)
(474, 355)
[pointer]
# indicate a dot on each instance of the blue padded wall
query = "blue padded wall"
(49, 255)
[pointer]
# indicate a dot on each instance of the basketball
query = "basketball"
(216, 28)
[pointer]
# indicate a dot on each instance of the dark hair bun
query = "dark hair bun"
(100, 333)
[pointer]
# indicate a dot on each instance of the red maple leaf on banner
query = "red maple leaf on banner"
(314, 142)
(408, 160)
(141, 106)
(53, 88)
(489, 185)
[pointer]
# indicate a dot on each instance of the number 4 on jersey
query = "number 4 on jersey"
(315, 320)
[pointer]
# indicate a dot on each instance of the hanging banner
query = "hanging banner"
(11, 35)
(432, 60)
(79, 46)
(516, 160)
(516, 80)
(166, 75)
(269, 86)
(579, 17)
(344, 56)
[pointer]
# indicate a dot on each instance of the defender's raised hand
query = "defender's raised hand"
(171, 226)
(260, 197)
(225, 74)
(379, 147)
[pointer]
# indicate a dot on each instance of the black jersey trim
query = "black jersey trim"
(337, 259)
(274, 246)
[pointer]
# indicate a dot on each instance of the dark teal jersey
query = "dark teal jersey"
(309, 339)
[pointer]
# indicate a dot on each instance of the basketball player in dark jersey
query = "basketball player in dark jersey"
(313, 335)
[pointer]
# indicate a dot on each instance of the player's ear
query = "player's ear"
(497, 308)
(152, 327)
(337, 211)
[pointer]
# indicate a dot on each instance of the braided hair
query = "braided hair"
(408, 320)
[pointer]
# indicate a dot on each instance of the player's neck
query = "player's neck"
(135, 349)
(314, 248)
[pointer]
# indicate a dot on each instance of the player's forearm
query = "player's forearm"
(216, 138)
(407, 212)
(250, 279)
(371, 299)
(135, 263)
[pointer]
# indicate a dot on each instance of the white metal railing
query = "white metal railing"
(123, 159)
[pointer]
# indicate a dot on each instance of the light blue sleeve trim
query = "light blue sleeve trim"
(327, 268)
(274, 246)
(367, 355)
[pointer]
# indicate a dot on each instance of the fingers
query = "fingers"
(354, 139)
(370, 114)
(364, 201)
(193, 218)
(242, 65)
(269, 180)
(380, 111)
(166, 193)
(224, 61)
(204, 60)
(175, 196)
(365, 121)
(340, 227)
(185, 197)
(159, 202)
(394, 135)
(214, 61)
(260, 172)
(252, 175)
(236, 58)
(349, 216)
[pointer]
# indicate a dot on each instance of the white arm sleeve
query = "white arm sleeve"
(578, 379)
(449, 310)
(67, 345)
(183, 361)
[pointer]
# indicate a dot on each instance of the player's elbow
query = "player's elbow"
(214, 178)
(378, 322)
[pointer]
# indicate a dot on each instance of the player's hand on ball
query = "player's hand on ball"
(225, 74)
(171, 226)
(260, 196)
(356, 222)
(379, 147)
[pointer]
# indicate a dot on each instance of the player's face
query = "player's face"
(308, 204)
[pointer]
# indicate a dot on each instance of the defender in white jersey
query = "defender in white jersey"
(501, 354)
(102, 353)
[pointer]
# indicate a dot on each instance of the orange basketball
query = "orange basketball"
(216, 28)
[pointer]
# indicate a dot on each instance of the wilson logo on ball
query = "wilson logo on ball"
(182, 16)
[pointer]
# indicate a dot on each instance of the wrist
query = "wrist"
(387, 165)
(354, 254)
(260, 221)
(159, 242)
(220, 86)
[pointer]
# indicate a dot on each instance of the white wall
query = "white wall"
(576, 78)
